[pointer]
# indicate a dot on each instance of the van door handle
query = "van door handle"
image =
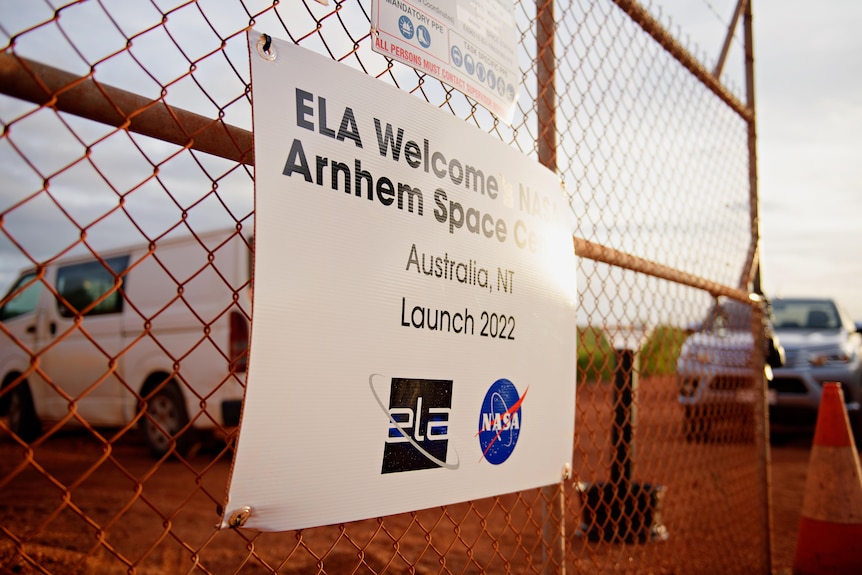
(52, 327)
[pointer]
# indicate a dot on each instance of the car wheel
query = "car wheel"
(22, 413)
(164, 421)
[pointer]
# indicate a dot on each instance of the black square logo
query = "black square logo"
(418, 436)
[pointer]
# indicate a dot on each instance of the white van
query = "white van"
(152, 335)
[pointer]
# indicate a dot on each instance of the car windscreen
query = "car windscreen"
(805, 314)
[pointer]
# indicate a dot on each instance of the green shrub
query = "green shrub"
(595, 356)
(596, 359)
(659, 353)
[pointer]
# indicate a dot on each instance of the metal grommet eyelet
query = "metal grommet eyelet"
(265, 48)
(239, 517)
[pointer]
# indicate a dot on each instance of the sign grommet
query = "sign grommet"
(239, 517)
(265, 48)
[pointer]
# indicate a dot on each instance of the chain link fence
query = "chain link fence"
(127, 152)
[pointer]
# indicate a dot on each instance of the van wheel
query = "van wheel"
(164, 421)
(22, 414)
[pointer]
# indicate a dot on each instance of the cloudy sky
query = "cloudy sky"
(808, 59)
(809, 108)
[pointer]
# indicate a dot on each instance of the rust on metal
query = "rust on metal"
(85, 97)
(751, 269)
(719, 66)
(546, 71)
(651, 26)
(587, 249)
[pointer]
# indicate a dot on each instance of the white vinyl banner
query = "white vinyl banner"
(413, 333)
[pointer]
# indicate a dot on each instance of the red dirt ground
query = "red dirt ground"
(113, 499)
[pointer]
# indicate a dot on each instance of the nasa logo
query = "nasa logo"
(418, 436)
(500, 421)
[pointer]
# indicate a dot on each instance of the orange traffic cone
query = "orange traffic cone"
(830, 532)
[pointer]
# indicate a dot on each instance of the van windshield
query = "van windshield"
(22, 298)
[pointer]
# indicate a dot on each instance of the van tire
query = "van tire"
(21, 413)
(165, 420)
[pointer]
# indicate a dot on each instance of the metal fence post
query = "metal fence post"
(553, 512)
(619, 510)
(625, 414)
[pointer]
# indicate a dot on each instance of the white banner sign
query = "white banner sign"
(469, 44)
(413, 334)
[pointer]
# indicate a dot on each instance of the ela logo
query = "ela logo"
(500, 421)
(418, 436)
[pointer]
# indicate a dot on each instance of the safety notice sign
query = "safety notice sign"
(469, 44)
(413, 322)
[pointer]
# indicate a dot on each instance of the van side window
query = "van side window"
(26, 299)
(82, 285)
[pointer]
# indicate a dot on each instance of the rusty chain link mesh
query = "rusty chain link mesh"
(128, 123)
